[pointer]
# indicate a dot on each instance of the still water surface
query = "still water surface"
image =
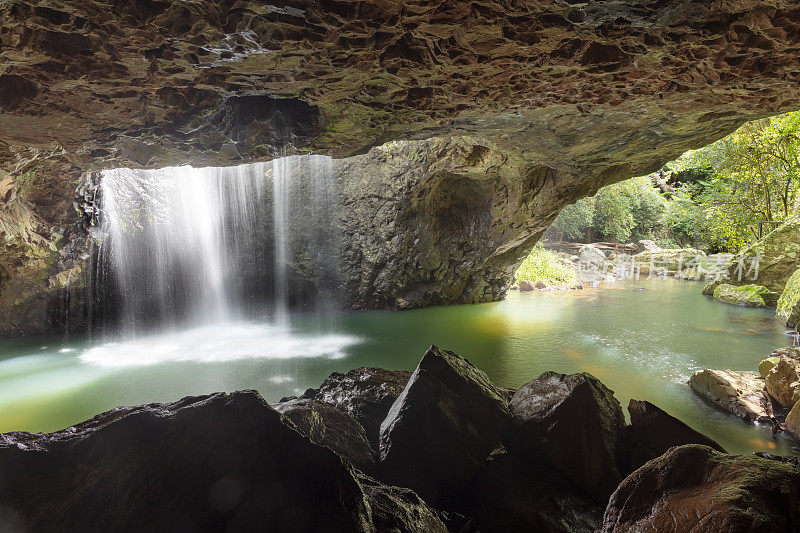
(643, 344)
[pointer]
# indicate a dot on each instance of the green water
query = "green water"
(643, 344)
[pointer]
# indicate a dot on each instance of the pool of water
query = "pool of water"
(643, 344)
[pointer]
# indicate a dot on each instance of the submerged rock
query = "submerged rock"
(217, 462)
(515, 494)
(445, 423)
(364, 393)
(788, 307)
(652, 432)
(783, 382)
(570, 422)
(327, 426)
(745, 295)
(694, 488)
(734, 392)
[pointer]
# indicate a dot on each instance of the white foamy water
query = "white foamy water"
(218, 343)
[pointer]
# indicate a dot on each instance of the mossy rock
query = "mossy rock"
(766, 365)
(708, 290)
(779, 252)
(789, 302)
(745, 295)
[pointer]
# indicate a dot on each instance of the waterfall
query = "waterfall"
(184, 246)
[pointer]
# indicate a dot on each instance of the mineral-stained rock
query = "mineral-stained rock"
(652, 432)
(445, 423)
(399, 510)
(694, 488)
(788, 308)
(366, 394)
(735, 392)
(570, 422)
(783, 382)
(745, 295)
(516, 494)
(327, 426)
(218, 462)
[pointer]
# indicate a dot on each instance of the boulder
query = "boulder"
(695, 488)
(792, 422)
(783, 382)
(745, 295)
(327, 426)
(591, 258)
(445, 423)
(208, 463)
(788, 307)
(540, 285)
(708, 289)
(364, 393)
(570, 422)
(766, 365)
(399, 510)
(652, 432)
(514, 494)
(646, 245)
(525, 285)
(669, 261)
(779, 258)
(734, 392)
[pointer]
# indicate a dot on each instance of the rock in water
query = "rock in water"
(445, 423)
(745, 295)
(783, 382)
(731, 391)
(525, 286)
(223, 462)
(366, 394)
(653, 431)
(327, 426)
(789, 303)
(708, 289)
(514, 494)
(570, 422)
(694, 488)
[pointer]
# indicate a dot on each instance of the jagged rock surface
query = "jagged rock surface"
(572, 423)
(694, 488)
(731, 391)
(560, 98)
(445, 423)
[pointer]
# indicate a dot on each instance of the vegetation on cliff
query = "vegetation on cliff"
(546, 267)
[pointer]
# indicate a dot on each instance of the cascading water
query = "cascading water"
(186, 246)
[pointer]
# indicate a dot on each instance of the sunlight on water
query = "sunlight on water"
(217, 344)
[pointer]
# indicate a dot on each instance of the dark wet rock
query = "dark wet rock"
(445, 423)
(399, 510)
(572, 423)
(525, 286)
(217, 462)
(652, 432)
(366, 394)
(514, 494)
(327, 426)
(694, 488)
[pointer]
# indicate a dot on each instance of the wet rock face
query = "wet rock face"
(694, 488)
(224, 461)
(572, 423)
(445, 423)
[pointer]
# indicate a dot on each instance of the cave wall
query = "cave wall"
(569, 95)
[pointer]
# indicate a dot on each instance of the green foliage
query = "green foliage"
(573, 221)
(545, 266)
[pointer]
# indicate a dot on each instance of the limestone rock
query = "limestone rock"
(570, 422)
(789, 303)
(694, 488)
(364, 393)
(779, 257)
(652, 432)
(646, 245)
(734, 392)
(444, 424)
(745, 295)
(514, 494)
(224, 461)
(783, 382)
(708, 289)
(327, 426)
(766, 365)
